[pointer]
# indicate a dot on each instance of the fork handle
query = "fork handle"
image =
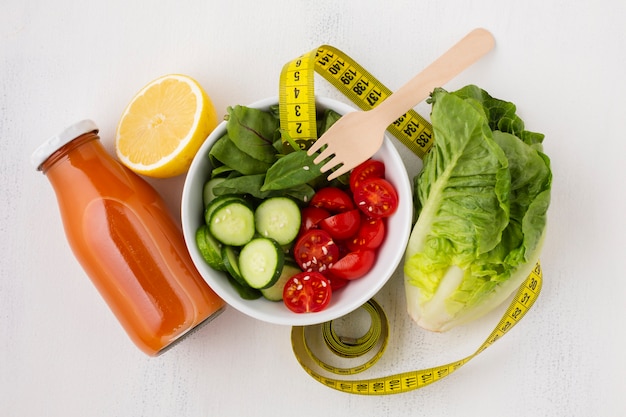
(463, 54)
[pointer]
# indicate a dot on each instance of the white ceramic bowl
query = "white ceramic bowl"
(344, 301)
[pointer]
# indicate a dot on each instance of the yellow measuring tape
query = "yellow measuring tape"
(406, 381)
(298, 120)
(297, 99)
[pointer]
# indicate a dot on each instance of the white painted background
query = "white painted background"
(63, 354)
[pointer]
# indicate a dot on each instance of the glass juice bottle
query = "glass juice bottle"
(124, 237)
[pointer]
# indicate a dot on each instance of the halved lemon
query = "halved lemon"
(164, 125)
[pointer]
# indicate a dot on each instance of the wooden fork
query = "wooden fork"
(357, 135)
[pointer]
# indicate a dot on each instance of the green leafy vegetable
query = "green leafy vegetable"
(246, 184)
(253, 147)
(482, 198)
(295, 168)
(302, 192)
(222, 170)
(326, 121)
(252, 185)
(226, 152)
(253, 131)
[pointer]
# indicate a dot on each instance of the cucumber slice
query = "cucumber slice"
(261, 262)
(207, 190)
(275, 292)
(278, 218)
(231, 263)
(232, 223)
(210, 249)
(217, 202)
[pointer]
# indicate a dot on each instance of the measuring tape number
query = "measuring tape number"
(297, 114)
(297, 100)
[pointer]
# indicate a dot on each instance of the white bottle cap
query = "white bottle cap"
(55, 142)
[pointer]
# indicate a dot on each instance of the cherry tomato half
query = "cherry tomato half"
(371, 168)
(370, 235)
(336, 283)
(342, 225)
(307, 292)
(332, 199)
(354, 265)
(376, 197)
(315, 250)
(311, 216)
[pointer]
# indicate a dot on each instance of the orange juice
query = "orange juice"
(123, 235)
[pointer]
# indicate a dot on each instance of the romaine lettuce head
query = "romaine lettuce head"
(482, 199)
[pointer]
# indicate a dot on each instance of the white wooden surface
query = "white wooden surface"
(63, 354)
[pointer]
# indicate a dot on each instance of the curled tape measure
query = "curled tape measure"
(406, 381)
(298, 120)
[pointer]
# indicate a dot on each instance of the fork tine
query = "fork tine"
(330, 164)
(316, 146)
(326, 153)
(339, 171)
(347, 165)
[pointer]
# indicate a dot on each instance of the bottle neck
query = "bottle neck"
(62, 153)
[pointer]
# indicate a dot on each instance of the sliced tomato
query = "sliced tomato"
(336, 283)
(332, 199)
(354, 265)
(311, 216)
(307, 292)
(315, 250)
(342, 225)
(371, 168)
(376, 197)
(370, 235)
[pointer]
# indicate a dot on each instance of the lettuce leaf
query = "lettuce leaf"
(482, 199)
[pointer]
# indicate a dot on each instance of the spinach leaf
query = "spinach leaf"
(219, 171)
(303, 192)
(253, 131)
(246, 184)
(326, 121)
(225, 151)
(251, 185)
(275, 111)
(295, 168)
(278, 145)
